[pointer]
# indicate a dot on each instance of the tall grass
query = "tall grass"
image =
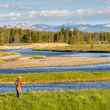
(57, 100)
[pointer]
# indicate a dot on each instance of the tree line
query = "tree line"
(73, 37)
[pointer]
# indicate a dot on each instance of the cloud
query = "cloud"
(105, 1)
(50, 13)
(9, 15)
(4, 6)
(63, 13)
(8, 6)
(14, 6)
(54, 13)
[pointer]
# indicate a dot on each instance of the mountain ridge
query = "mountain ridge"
(55, 28)
(81, 27)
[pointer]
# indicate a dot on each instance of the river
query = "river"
(71, 86)
(29, 52)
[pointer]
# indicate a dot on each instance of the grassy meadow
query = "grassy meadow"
(55, 77)
(57, 100)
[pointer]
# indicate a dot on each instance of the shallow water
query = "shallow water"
(71, 86)
(29, 52)
(98, 67)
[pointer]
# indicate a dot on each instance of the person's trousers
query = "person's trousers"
(17, 93)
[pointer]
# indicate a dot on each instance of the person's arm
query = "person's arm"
(21, 84)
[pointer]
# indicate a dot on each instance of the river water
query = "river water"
(98, 67)
(71, 86)
(29, 52)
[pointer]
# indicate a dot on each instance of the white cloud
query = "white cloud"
(4, 6)
(105, 1)
(62, 13)
(14, 6)
(9, 6)
(50, 13)
(11, 14)
(54, 13)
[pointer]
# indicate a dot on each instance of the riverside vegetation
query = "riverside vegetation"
(55, 77)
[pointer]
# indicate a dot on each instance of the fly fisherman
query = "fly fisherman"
(19, 87)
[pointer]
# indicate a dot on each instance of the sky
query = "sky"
(54, 12)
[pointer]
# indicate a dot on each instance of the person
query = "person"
(19, 87)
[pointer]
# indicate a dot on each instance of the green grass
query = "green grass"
(7, 53)
(57, 77)
(57, 100)
(37, 56)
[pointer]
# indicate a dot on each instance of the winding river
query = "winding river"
(72, 86)
(29, 52)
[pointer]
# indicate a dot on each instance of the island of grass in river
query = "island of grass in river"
(2, 54)
(55, 77)
(57, 100)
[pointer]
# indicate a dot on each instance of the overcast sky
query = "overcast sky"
(54, 12)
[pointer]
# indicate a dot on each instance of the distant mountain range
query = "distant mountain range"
(55, 28)
(82, 27)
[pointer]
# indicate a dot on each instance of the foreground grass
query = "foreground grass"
(57, 100)
(56, 77)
